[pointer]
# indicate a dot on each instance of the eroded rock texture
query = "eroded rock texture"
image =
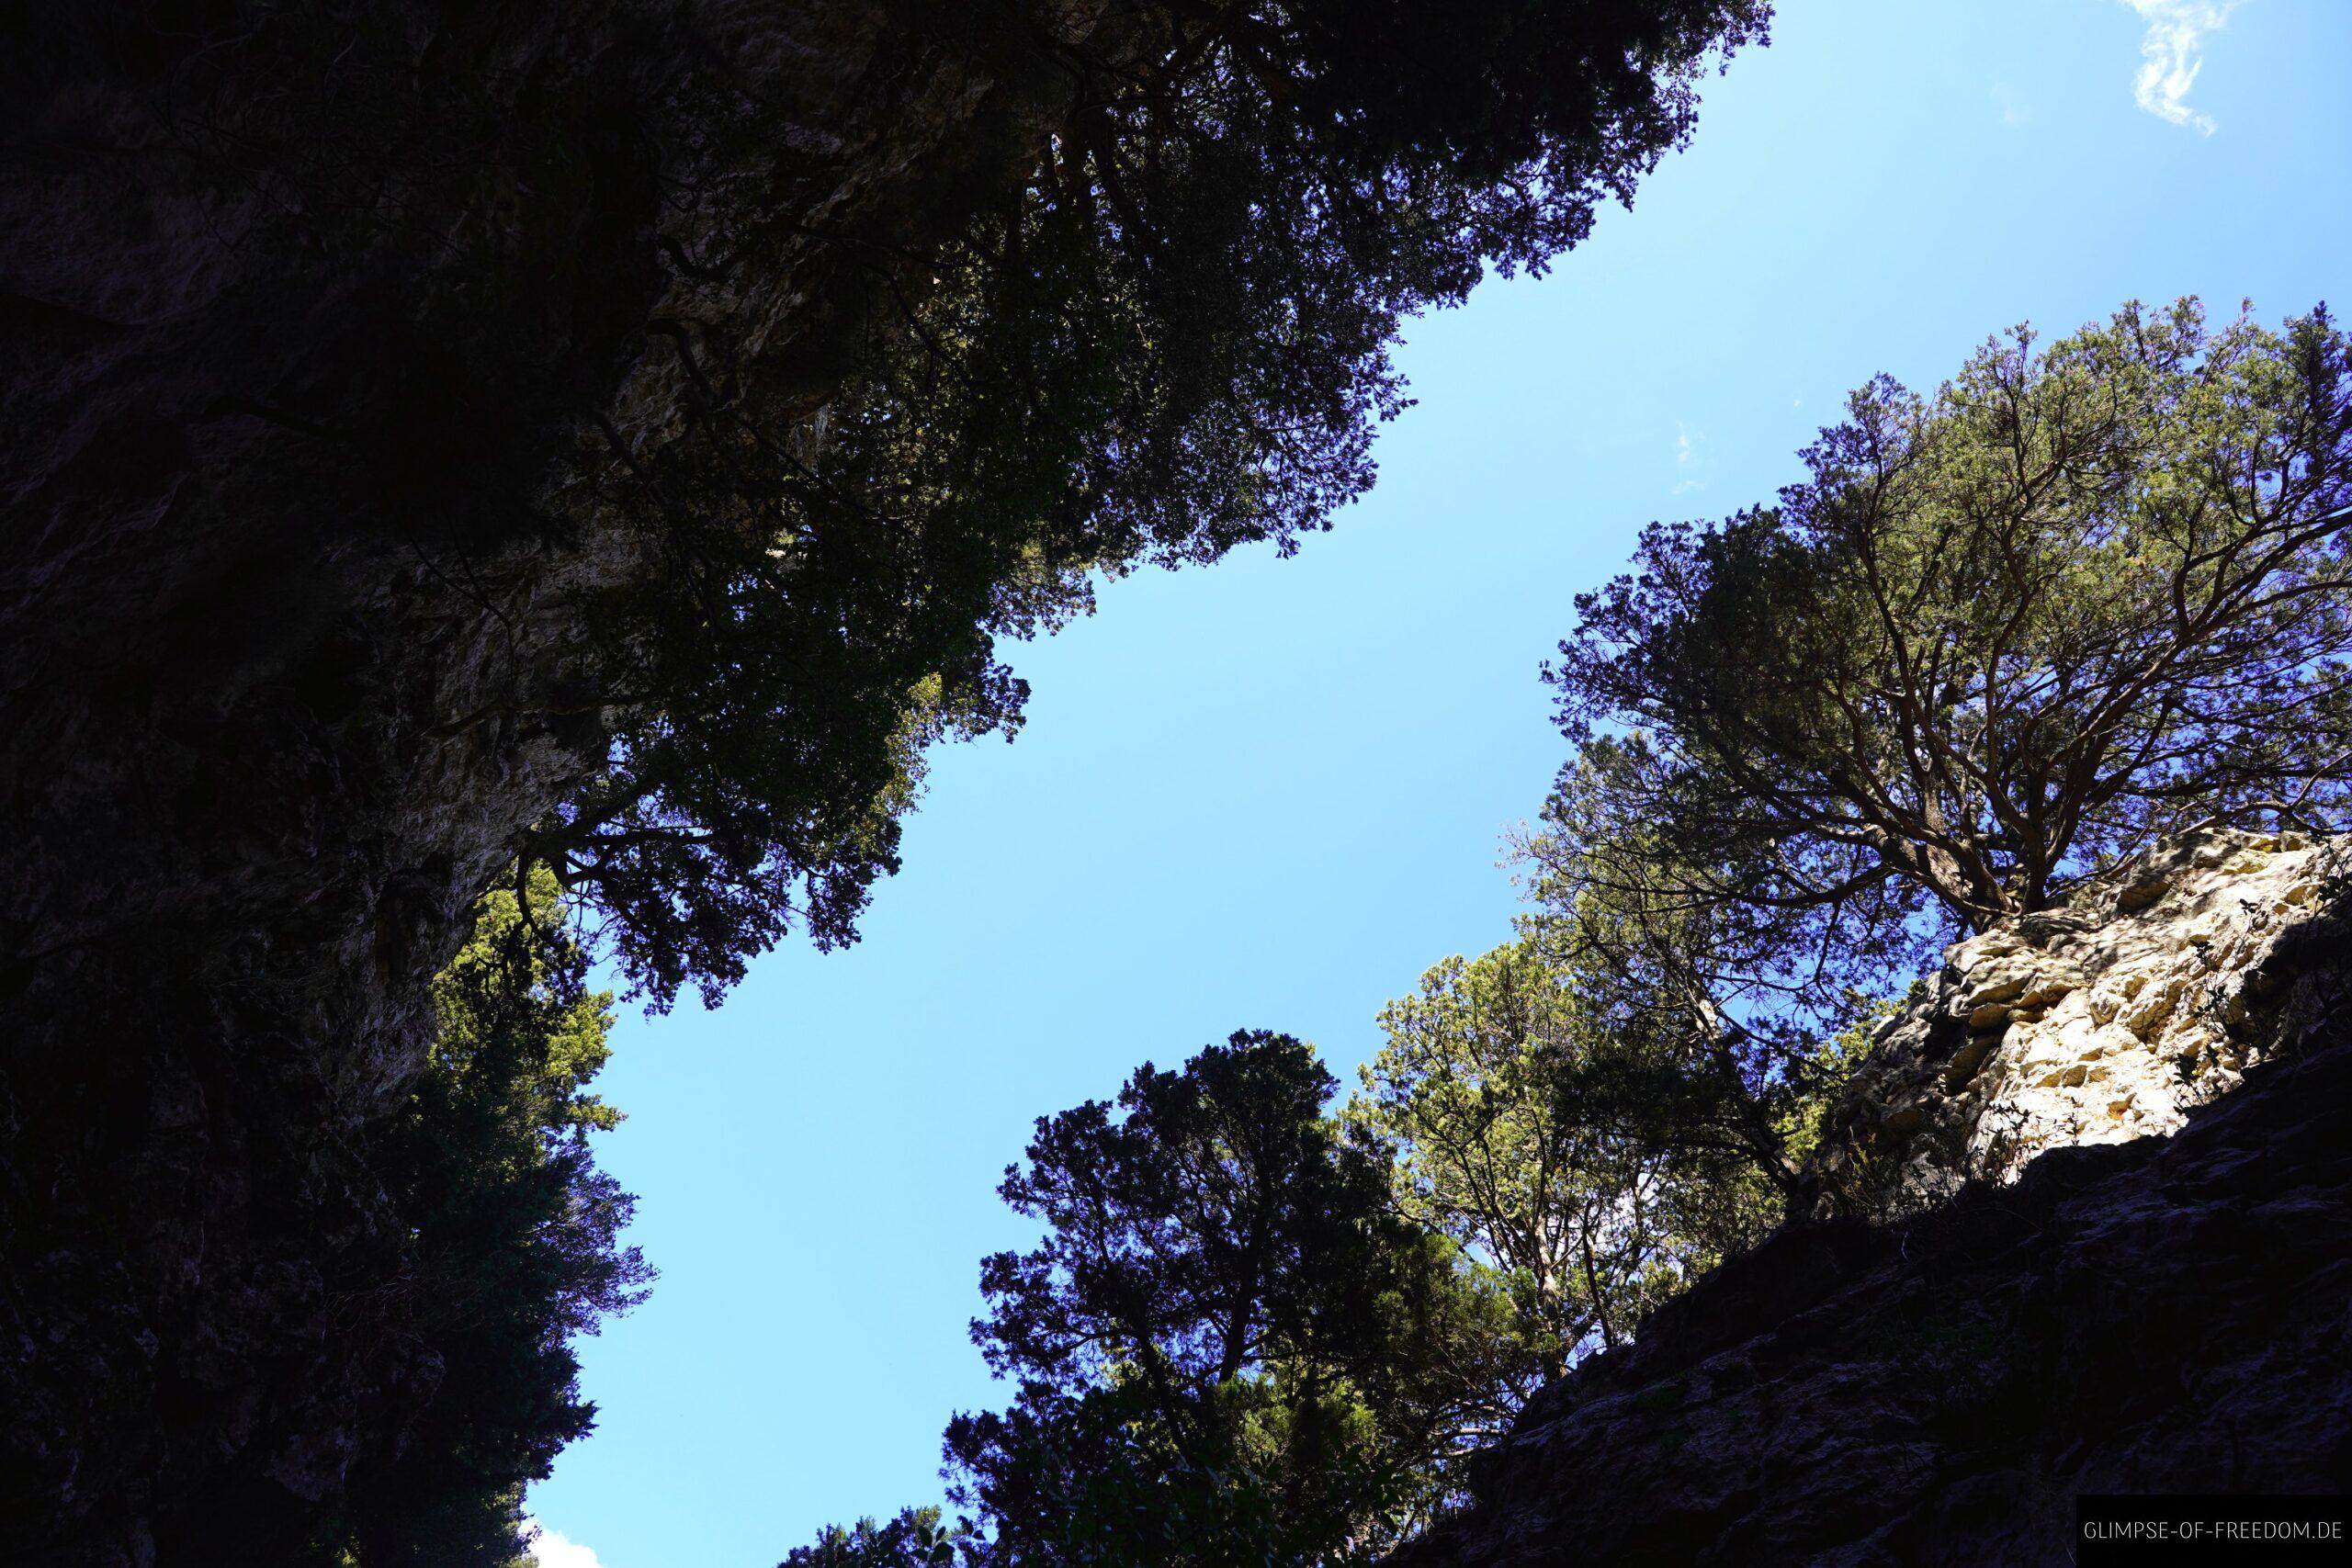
(2130, 1314)
(2109, 1018)
(324, 327)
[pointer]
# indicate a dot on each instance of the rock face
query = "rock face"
(326, 328)
(2128, 1314)
(2106, 1018)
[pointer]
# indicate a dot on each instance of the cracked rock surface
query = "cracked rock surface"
(2109, 1018)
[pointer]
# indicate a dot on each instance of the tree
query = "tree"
(1710, 1025)
(1677, 1068)
(1999, 640)
(1467, 1090)
(915, 1538)
(1170, 336)
(1229, 1348)
(514, 1249)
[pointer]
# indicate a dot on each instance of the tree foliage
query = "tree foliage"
(1999, 640)
(514, 1248)
(1590, 1222)
(1172, 338)
(1715, 1032)
(917, 1537)
(1229, 1348)
(1255, 1332)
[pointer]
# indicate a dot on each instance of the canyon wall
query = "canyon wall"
(327, 330)
(2107, 1248)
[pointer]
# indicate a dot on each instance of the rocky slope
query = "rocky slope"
(325, 327)
(2119, 1313)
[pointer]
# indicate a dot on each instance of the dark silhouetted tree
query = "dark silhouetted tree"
(917, 1537)
(1228, 1347)
(1169, 338)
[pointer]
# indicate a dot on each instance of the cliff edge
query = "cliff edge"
(2110, 1017)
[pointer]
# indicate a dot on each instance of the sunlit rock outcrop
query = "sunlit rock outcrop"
(2106, 1018)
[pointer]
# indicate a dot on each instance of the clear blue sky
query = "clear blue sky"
(1271, 793)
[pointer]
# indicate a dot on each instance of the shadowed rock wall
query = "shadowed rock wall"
(322, 328)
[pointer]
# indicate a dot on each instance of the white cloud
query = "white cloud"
(2172, 53)
(553, 1549)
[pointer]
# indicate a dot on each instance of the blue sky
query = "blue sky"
(1270, 794)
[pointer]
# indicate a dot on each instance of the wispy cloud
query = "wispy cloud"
(1687, 459)
(2171, 53)
(553, 1549)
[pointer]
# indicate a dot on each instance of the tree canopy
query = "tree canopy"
(916, 1538)
(2086, 595)
(1256, 1332)
(2000, 639)
(1576, 1218)
(514, 1247)
(1228, 1347)
(1171, 337)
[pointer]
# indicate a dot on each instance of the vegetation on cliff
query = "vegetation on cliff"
(1999, 642)
(513, 1247)
(2003, 639)
(2000, 639)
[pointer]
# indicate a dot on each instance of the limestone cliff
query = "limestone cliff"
(2109, 1018)
(2148, 1288)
